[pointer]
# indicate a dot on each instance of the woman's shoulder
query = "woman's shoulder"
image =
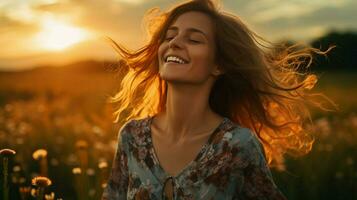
(134, 129)
(246, 142)
(243, 137)
(134, 124)
(237, 132)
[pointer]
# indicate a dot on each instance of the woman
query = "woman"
(211, 110)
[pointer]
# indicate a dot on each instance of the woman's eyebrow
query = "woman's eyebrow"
(194, 30)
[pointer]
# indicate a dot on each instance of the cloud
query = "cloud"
(130, 1)
(268, 10)
(286, 10)
(295, 19)
(313, 24)
(105, 18)
(56, 7)
(8, 24)
(14, 36)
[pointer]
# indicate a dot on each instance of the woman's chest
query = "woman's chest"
(174, 158)
(210, 174)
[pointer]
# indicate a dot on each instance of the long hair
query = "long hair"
(265, 87)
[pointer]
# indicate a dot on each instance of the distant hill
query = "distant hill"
(86, 66)
(343, 57)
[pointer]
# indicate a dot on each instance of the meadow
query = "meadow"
(60, 125)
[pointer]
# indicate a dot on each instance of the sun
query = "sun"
(56, 35)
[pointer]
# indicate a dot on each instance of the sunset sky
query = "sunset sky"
(56, 32)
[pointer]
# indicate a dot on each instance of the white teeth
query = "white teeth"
(175, 59)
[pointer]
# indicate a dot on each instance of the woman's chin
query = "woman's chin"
(173, 72)
(172, 77)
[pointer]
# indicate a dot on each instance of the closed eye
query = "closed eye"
(195, 41)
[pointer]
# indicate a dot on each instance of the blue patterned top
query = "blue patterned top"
(231, 165)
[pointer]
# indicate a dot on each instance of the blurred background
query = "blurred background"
(57, 72)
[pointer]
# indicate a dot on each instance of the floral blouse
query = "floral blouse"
(231, 165)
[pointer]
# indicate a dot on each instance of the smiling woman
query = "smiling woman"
(206, 108)
(56, 36)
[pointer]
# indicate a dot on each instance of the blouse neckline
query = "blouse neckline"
(196, 159)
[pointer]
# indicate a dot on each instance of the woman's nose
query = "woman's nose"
(176, 42)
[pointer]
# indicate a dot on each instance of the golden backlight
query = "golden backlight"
(56, 35)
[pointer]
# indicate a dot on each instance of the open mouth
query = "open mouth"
(175, 59)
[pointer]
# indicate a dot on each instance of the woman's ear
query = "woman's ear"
(217, 71)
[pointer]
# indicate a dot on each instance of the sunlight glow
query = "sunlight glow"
(131, 1)
(56, 35)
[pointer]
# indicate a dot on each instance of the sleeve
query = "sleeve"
(117, 184)
(258, 183)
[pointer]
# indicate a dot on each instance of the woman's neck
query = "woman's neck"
(187, 113)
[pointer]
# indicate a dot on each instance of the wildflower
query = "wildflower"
(81, 182)
(41, 181)
(22, 180)
(324, 126)
(6, 153)
(25, 192)
(14, 179)
(99, 146)
(97, 130)
(38, 154)
(16, 168)
(90, 172)
(41, 155)
(81, 144)
(76, 170)
(25, 189)
(33, 192)
(102, 164)
(72, 159)
(50, 196)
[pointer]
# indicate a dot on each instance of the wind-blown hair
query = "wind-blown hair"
(266, 88)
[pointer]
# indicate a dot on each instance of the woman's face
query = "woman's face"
(187, 53)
